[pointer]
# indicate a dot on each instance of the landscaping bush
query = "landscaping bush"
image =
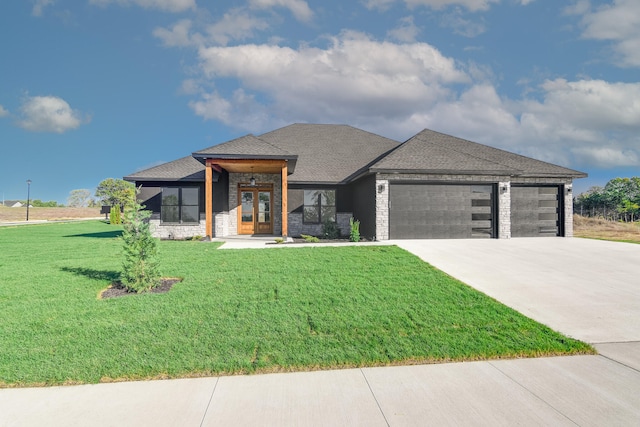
(140, 268)
(354, 234)
(115, 217)
(330, 230)
(309, 239)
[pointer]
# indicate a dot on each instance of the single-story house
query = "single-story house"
(291, 180)
(13, 204)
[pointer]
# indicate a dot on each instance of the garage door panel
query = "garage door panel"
(437, 211)
(535, 211)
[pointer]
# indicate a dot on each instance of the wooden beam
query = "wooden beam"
(285, 188)
(208, 188)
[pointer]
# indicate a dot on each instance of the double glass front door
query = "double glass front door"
(255, 211)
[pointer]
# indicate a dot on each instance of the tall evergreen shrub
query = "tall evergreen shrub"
(140, 270)
(115, 217)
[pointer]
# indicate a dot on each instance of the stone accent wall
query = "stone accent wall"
(382, 209)
(177, 231)
(261, 178)
(297, 226)
(504, 210)
(568, 209)
(221, 224)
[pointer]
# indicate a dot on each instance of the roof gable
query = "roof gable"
(329, 153)
(247, 146)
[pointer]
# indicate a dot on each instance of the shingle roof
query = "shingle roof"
(329, 153)
(246, 146)
(435, 152)
(334, 154)
(184, 169)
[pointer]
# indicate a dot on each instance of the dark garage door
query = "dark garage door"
(434, 211)
(535, 211)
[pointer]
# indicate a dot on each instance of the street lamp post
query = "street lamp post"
(28, 197)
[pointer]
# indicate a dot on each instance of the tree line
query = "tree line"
(618, 200)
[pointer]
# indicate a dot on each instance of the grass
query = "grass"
(238, 311)
(8, 214)
(598, 228)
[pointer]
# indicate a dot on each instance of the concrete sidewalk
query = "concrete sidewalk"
(582, 288)
(579, 390)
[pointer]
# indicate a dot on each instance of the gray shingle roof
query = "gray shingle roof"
(184, 169)
(247, 146)
(435, 152)
(329, 153)
(337, 153)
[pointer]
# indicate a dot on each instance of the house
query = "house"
(13, 204)
(291, 180)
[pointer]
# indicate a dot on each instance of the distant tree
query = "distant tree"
(618, 200)
(37, 203)
(116, 192)
(80, 198)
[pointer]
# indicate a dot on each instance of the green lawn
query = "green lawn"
(238, 311)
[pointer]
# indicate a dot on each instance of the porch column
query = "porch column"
(208, 188)
(285, 187)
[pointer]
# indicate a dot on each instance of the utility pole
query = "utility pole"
(28, 197)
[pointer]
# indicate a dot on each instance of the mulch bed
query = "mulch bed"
(117, 289)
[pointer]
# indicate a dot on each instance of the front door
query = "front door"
(255, 211)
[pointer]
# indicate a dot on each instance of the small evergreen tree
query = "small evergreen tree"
(140, 268)
(115, 217)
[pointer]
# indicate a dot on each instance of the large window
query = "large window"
(319, 206)
(180, 205)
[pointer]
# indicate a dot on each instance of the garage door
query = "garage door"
(535, 211)
(434, 211)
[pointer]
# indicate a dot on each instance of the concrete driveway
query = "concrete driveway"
(586, 289)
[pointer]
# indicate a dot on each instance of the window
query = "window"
(180, 205)
(319, 206)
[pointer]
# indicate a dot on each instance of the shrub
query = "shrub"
(354, 234)
(140, 267)
(330, 230)
(115, 217)
(309, 239)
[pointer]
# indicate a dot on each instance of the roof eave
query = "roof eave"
(445, 171)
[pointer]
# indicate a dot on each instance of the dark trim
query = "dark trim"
(511, 172)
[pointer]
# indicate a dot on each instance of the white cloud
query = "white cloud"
(39, 5)
(48, 114)
(3, 112)
(234, 25)
(462, 26)
(407, 31)
(177, 36)
(618, 22)
(299, 8)
(354, 75)
(165, 5)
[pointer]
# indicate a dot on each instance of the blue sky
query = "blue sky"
(92, 89)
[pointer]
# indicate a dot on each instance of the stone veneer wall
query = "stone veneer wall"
(382, 209)
(177, 231)
(276, 203)
(297, 227)
(504, 210)
(568, 209)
